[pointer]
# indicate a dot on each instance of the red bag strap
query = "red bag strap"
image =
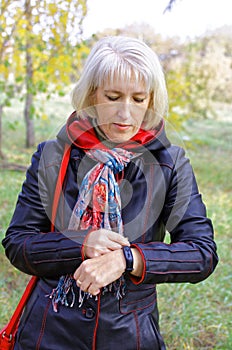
(59, 183)
(9, 331)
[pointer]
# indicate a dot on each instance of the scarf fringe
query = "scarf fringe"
(59, 295)
(64, 291)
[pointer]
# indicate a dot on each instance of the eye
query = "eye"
(139, 100)
(112, 98)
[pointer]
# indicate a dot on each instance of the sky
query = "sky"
(188, 18)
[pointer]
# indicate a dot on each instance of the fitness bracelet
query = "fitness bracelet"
(129, 258)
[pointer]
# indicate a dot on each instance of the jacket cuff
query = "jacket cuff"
(134, 279)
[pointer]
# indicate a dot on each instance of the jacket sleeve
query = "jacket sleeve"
(191, 255)
(29, 244)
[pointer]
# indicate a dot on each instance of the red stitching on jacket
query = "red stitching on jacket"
(210, 265)
(53, 250)
(54, 260)
(166, 248)
(43, 325)
(174, 271)
(137, 330)
(171, 167)
(153, 302)
(96, 325)
(140, 300)
(25, 258)
(60, 239)
(175, 260)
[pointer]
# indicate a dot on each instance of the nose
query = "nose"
(124, 111)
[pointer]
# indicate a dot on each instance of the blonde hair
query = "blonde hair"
(123, 58)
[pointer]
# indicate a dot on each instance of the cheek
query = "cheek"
(105, 112)
(139, 113)
(102, 117)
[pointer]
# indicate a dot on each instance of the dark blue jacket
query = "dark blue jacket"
(159, 194)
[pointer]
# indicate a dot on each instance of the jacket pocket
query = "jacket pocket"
(138, 297)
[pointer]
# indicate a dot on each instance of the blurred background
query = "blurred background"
(43, 46)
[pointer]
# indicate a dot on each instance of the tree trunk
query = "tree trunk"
(1, 133)
(28, 116)
(30, 133)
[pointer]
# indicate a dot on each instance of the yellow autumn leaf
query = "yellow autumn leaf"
(44, 117)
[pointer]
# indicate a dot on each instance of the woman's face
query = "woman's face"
(121, 109)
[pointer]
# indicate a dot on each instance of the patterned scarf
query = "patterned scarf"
(98, 206)
(99, 202)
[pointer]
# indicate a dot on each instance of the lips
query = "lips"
(122, 126)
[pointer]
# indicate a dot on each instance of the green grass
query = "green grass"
(192, 317)
(199, 316)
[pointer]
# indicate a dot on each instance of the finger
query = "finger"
(85, 286)
(115, 237)
(93, 290)
(79, 283)
(114, 246)
(76, 274)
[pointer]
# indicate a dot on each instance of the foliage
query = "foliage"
(40, 48)
(53, 29)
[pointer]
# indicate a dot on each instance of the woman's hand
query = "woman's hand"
(103, 241)
(98, 272)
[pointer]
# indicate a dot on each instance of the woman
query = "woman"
(124, 187)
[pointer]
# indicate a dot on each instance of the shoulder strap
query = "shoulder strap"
(9, 331)
(7, 334)
(59, 183)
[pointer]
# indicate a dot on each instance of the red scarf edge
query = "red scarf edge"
(81, 133)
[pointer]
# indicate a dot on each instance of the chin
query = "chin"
(119, 139)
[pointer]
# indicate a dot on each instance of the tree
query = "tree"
(30, 133)
(8, 24)
(52, 29)
(216, 54)
(45, 44)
